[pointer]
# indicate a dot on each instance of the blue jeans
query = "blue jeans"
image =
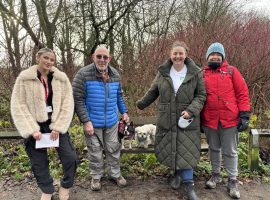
(185, 174)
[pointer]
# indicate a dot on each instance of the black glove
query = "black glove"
(243, 121)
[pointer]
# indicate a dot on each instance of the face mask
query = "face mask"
(214, 64)
(183, 123)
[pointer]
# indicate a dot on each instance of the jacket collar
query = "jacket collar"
(192, 68)
(31, 73)
(111, 71)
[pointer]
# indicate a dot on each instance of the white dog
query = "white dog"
(145, 135)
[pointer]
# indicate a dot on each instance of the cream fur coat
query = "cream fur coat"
(28, 102)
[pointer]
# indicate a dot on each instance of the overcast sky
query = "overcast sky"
(260, 6)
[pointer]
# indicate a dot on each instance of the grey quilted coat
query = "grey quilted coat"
(175, 147)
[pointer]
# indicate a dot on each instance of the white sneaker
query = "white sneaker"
(63, 193)
(45, 196)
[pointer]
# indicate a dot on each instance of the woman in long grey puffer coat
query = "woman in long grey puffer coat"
(180, 86)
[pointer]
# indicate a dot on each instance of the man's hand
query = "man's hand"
(37, 135)
(125, 117)
(54, 135)
(88, 128)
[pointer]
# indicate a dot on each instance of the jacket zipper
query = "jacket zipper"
(105, 95)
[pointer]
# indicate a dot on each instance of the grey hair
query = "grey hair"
(102, 46)
(42, 51)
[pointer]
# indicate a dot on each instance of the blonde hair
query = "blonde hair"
(180, 44)
(42, 51)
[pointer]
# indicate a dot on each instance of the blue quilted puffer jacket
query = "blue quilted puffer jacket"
(95, 100)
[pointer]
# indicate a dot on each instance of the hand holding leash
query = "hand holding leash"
(88, 128)
(125, 117)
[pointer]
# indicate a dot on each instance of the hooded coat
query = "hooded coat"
(227, 95)
(175, 147)
(28, 106)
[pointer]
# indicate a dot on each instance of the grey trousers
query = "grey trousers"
(223, 141)
(104, 140)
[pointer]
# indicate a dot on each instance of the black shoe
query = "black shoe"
(175, 181)
(189, 190)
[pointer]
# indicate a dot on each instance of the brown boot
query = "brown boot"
(45, 196)
(120, 181)
(95, 184)
(63, 193)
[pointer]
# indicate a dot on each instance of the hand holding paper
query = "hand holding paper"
(37, 135)
(46, 141)
(54, 135)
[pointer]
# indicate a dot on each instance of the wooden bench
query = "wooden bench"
(9, 133)
(139, 121)
(253, 144)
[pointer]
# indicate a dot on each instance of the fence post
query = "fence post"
(253, 150)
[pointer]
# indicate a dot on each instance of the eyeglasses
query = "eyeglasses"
(102, 56)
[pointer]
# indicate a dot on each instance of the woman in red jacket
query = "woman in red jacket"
(226, 111)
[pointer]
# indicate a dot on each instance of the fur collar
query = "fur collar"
(31, 73)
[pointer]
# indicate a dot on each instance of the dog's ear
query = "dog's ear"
(131, 123)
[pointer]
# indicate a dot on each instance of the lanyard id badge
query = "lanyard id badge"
(49, 109)
(46, 87)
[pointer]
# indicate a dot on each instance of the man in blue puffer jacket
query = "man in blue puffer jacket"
(98, 99)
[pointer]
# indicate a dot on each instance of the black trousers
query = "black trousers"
(40, 163)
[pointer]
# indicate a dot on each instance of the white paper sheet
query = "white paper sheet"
(46, 142)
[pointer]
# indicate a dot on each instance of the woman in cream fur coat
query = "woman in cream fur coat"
(42, 102)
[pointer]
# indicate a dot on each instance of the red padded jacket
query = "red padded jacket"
(227, 95)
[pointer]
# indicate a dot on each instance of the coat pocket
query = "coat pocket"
(113, 147)
(231, 112)
(163, 121)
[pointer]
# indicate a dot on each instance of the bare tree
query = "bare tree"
(203, 11)
(99, 23)
(47, 27)
(65, 41)
(11, 31)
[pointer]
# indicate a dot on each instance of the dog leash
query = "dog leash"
(101, 144)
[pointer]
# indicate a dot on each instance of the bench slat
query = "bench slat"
(139, 121)
(204, 148)
(10, 134)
